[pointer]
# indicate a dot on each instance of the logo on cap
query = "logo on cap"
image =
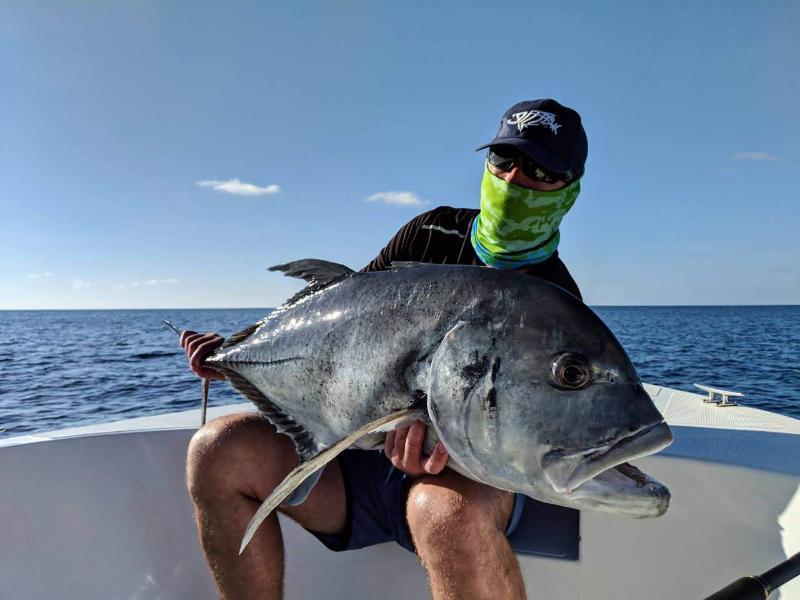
(534, 118)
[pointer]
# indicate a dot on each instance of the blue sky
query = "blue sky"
(112, 114)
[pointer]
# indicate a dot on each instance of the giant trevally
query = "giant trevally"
(522, 383)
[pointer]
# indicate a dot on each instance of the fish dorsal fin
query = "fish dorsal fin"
(318, 273)
(313, 270)
(240, 336)
(308, 468)
(396, 265)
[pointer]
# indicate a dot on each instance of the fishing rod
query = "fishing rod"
(204, 384)
(761, 586)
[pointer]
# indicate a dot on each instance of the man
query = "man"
(457, 527)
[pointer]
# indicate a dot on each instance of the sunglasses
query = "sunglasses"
(505, 157)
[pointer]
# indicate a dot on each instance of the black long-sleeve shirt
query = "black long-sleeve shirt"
(442, 235)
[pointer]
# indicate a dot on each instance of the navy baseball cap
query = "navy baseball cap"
(548, 132)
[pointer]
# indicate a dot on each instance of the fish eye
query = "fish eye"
(571, 371)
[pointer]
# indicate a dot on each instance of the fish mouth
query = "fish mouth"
(622, 490)
(594, 461)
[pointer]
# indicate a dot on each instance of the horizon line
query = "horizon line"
(274, 307)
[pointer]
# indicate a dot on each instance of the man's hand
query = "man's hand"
(198, 347)
(404, 449)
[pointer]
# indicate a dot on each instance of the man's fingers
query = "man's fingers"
(437, 461)
(193, 341)
(399, 447)
(187, 337)
(202, 350)
(388, 445)
(413, 449)
(207, 341)
(198, 347)
(404, 448)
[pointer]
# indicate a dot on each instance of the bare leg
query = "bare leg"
(458, 527)
(233, 463)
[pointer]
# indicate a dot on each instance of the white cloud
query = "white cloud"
(240, 188)
(754, 156)
(80, 284)
(404, 198)
(38, 275)
(154, 281)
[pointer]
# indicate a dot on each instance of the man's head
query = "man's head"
(532, 178)
(514, 166)
(542, 133)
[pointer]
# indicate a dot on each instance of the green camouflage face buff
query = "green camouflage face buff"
(518, 226)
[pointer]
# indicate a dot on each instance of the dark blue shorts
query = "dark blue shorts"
(376, 503)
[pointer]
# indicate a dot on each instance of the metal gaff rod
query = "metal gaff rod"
(780, 574)
(760, 587)
(174, 328)
(204, 382)
(204, 407)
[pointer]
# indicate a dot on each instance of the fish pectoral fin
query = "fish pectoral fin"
(301, 492)
(308, 468)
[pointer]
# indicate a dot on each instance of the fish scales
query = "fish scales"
(388, 324)
(523, 384)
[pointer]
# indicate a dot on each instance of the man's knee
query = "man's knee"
(450, 511)
(240, 452)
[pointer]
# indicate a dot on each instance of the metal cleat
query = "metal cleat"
(724, 395)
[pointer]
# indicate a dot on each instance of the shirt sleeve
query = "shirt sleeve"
(560, 275)
(399, 247)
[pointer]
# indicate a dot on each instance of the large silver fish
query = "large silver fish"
(524, 385)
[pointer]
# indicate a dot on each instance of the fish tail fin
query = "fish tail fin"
(309, 468)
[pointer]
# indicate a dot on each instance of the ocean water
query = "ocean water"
(65, 368)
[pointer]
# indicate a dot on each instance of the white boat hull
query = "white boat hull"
(102, 512)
